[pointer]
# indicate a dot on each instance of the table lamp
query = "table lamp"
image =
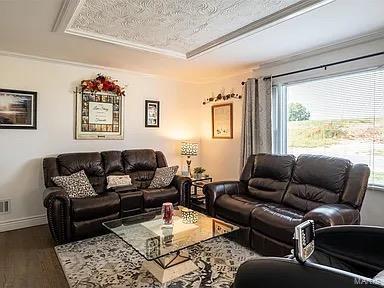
(189, 149)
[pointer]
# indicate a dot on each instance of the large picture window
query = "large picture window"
(341, 116)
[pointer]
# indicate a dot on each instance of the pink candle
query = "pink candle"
(167, 212)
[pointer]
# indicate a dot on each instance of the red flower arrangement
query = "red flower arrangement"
(102, 83)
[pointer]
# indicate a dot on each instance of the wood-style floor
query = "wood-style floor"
(28, 260)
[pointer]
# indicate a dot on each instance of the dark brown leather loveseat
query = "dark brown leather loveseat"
(76, 218)
(277, 192)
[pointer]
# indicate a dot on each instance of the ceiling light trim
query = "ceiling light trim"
(269, 21)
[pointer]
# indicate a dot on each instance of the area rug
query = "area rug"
(106, 261)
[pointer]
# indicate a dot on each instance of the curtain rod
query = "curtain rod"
(323, 66)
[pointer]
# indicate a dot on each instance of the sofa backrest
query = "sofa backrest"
(270, 176)
(139, 164)
(317, 180)
(91, 163)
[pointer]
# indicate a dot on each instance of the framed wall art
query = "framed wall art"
(99, 115)
(18, 109)
(222, 121)
(152, 113)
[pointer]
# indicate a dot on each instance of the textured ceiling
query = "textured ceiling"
(173, 25)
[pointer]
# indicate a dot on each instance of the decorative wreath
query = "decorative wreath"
(102, 83)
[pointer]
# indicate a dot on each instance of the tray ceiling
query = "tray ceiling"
(173, 27)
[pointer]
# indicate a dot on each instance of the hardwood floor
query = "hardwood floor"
(28, 260)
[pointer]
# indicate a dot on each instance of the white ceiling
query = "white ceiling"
(175, 27)
(26, 27)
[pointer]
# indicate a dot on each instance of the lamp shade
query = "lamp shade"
(189, 149)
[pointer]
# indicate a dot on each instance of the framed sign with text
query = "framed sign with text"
(99, 116)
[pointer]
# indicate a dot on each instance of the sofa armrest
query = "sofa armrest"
(57, 193)
(214, 190)
(183, 185)
(58, 205)
(262, 273)
(333, 214)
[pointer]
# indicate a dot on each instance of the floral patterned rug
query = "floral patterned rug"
(106, 261)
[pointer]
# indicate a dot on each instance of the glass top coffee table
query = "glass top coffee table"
(162, 245)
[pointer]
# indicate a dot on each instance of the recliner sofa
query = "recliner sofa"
(345, 256)
(277, 192)
(76, 218)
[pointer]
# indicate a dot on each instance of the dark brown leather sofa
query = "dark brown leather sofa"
(76, 218)
(277, 192)
(345, 256)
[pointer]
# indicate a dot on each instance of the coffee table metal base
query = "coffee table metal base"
(170, 267)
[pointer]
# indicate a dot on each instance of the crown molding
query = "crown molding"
(354, 41)
(276, 18)
(70, 9)
(92, 66)
(125, 43)
(67, 10)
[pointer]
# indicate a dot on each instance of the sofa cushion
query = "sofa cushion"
(142, 179)
(236, 208)
(95, 207)
(113, 163)
(270, 177)
(140, 165)
(139, 160)
(316, 180)
(91, 163)
(276, 221)
(157, 196)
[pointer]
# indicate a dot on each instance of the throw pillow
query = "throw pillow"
(76, 185)
(163, 177)
(118, 180)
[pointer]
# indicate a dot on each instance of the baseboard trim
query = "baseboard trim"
(25, 222)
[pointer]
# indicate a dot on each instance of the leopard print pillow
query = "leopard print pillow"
(163, 177)
(76, 185)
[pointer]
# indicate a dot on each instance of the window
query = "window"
(341, 116)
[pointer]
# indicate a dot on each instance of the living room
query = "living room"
(185, 85)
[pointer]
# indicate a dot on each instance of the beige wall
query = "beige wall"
(21, 151)
(221, 157)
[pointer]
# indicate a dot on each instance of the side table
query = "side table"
(197, 195)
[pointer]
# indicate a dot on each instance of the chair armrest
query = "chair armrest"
(183, 185)
(355, 244)
(333, 214)
(281, 272)
(214, 190)
(58, 205)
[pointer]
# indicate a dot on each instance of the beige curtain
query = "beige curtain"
(256, 132)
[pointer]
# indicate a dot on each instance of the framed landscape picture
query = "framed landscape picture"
(222, 121)
(18, 109)
(99, 116)
(152, 113)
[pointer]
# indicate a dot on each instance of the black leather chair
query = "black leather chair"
(76, 218)
(344, 257)
(277, 192)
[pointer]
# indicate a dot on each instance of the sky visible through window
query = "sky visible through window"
(340, 116)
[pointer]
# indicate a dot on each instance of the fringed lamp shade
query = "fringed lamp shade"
(189, 149)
